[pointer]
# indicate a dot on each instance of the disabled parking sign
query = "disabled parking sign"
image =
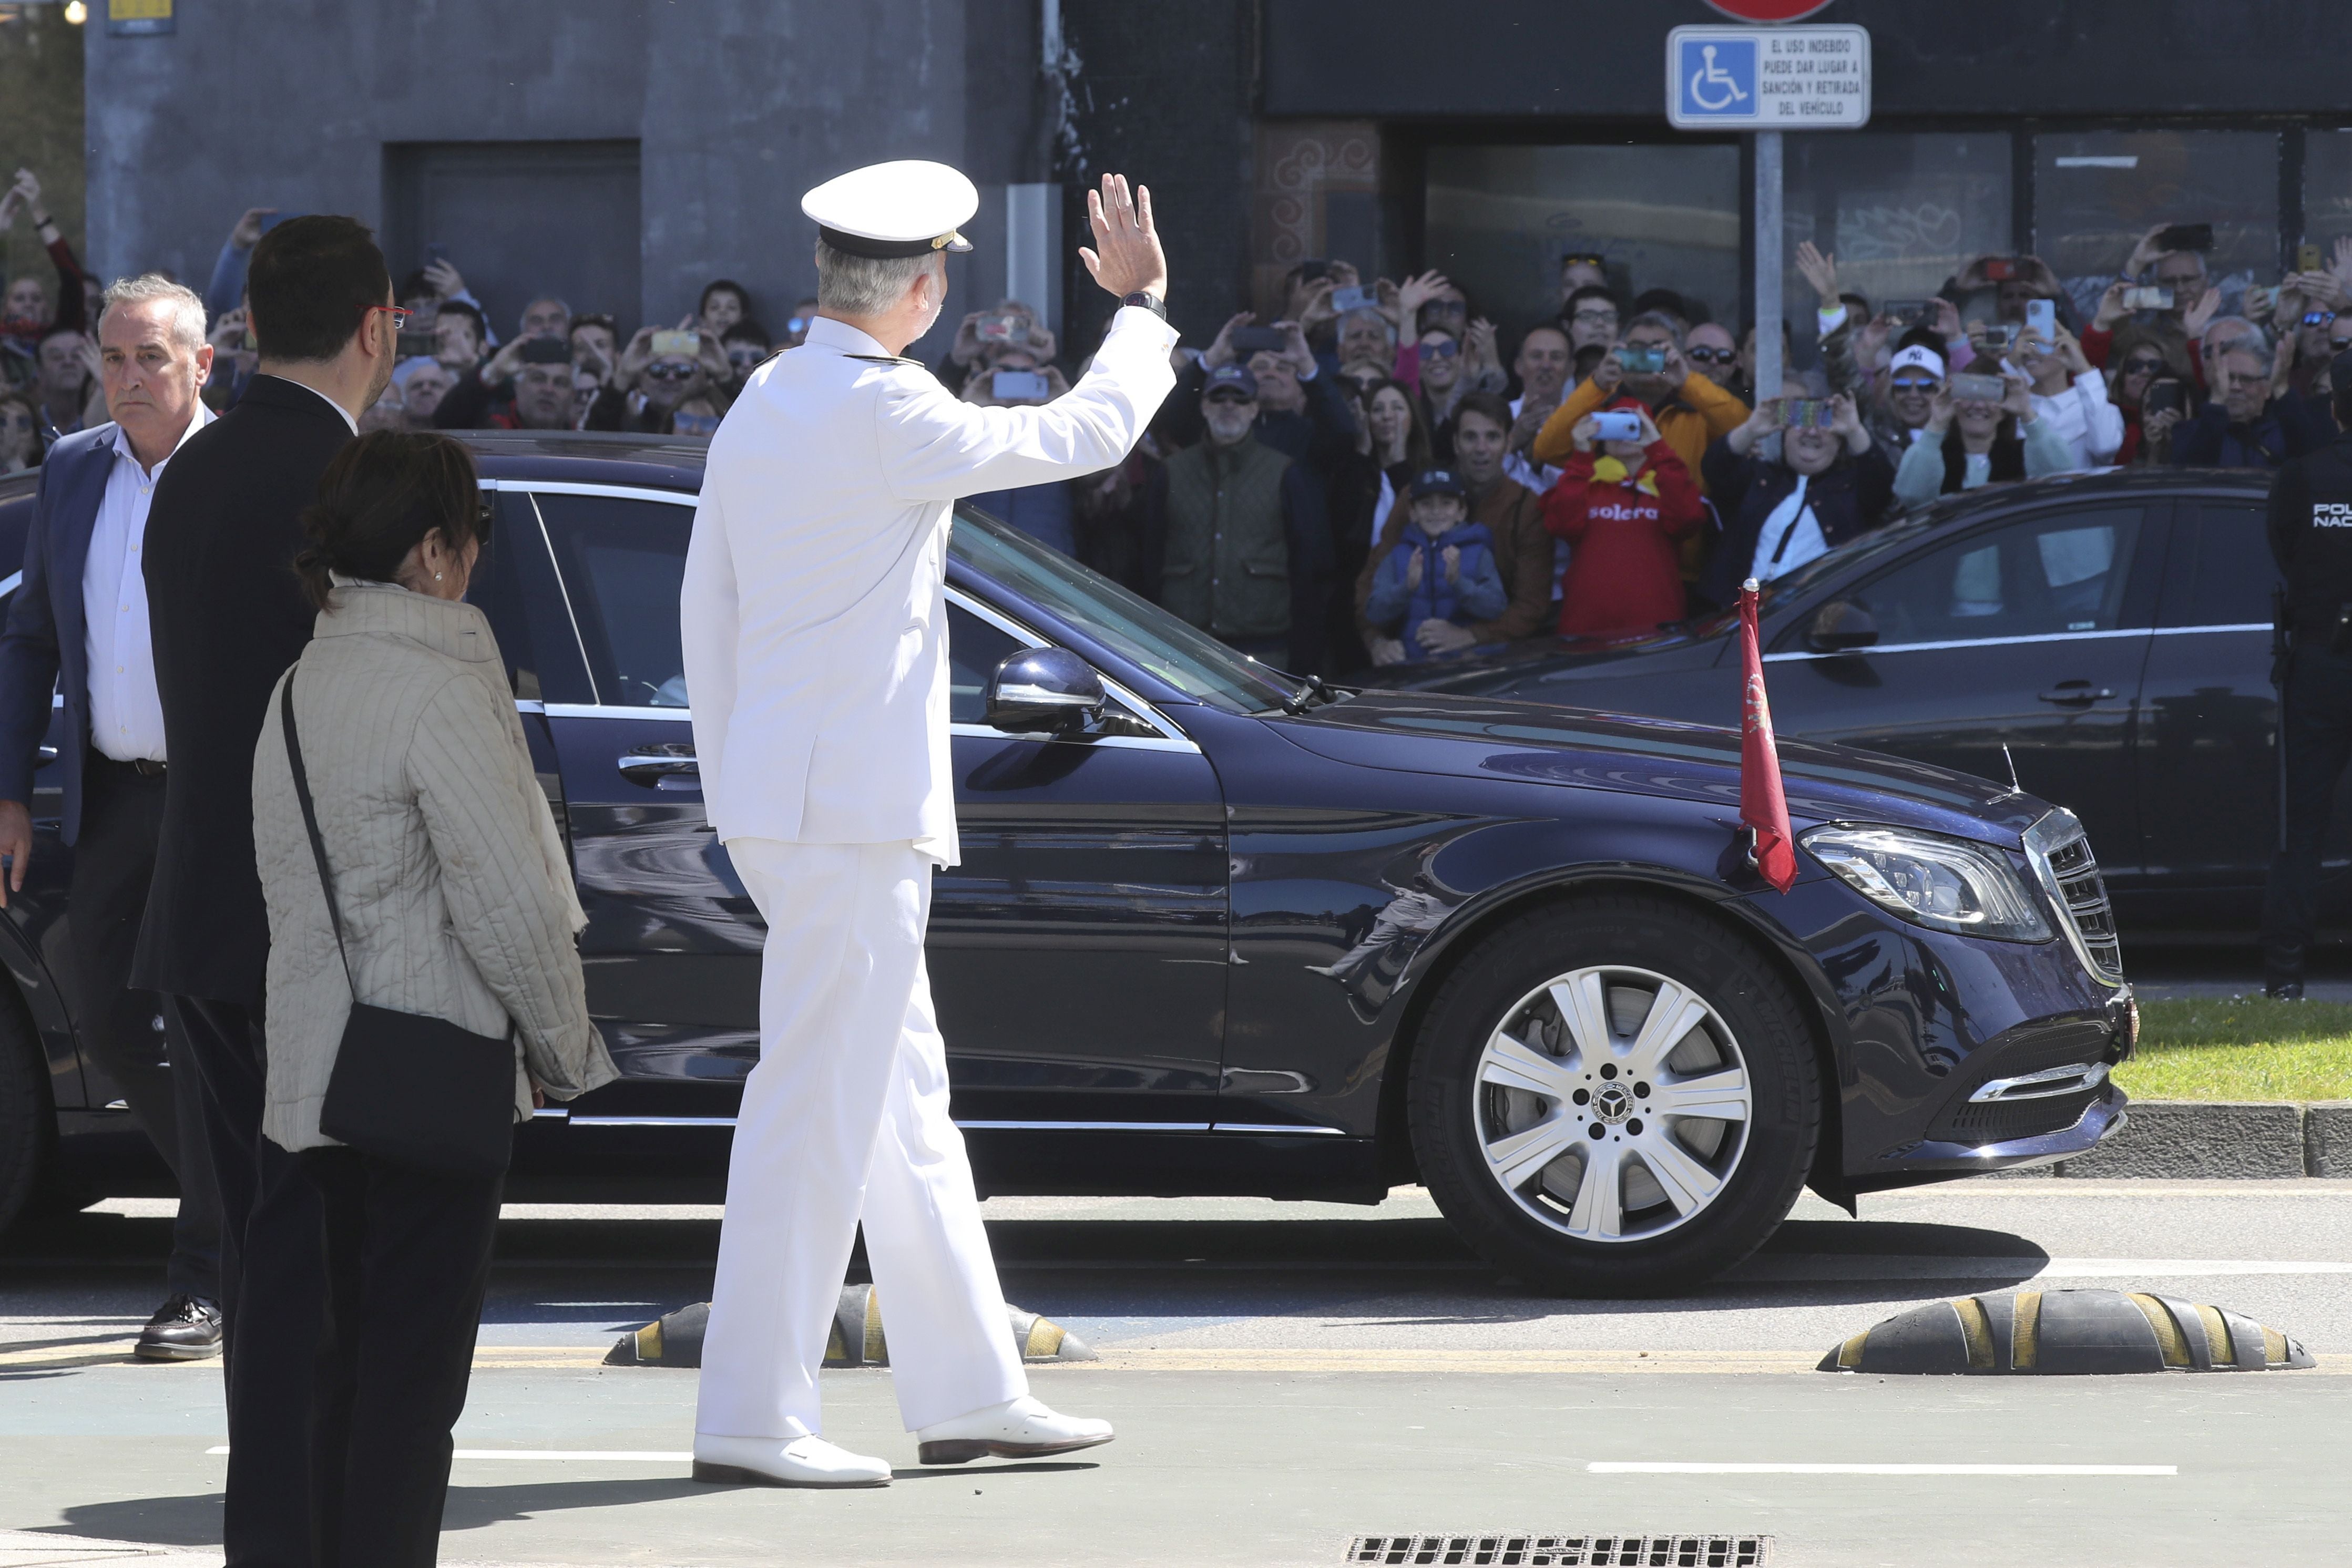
(1768, 78)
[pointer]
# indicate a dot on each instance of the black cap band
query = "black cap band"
(879, 249)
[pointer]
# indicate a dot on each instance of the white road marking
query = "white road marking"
(1680, 1468)
(608, 1456)
(1825, 1267)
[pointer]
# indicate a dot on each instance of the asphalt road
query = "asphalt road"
(1288, 1377)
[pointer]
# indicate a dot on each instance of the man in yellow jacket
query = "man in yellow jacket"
(1689, 410)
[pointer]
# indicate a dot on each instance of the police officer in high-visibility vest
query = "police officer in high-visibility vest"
(815, 638)
(2311, 539)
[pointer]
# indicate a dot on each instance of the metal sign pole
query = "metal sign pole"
(1770, 237)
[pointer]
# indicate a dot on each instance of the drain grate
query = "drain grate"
(1504, 1550)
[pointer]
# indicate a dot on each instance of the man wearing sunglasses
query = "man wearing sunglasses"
(1714, 354)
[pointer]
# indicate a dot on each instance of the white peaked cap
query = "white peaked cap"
(908, 208)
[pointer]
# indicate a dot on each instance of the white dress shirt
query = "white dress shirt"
(126, 717)
(814, 608)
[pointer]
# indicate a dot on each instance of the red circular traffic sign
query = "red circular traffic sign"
(1768, 10)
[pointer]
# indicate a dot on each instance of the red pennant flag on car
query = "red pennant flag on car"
(1762, 806)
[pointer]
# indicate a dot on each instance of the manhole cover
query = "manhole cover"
(1506, 1550)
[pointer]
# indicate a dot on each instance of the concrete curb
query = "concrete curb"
(2245, 1140)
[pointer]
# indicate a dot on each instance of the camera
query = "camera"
(1617, 424)
(2001, 335)
(1809, 414)
(1248, 341)
(1002, 330)
(1345, 300)
(1978, 389)
(1019, 386)
(2186, 237)
(1912, 312)
(2147, 298)
(2161, 396)
(1641, 361)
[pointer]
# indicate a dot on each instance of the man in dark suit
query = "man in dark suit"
(81, 610)
(228, 617)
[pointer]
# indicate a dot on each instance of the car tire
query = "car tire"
(27, 1128)
(1554, 1057)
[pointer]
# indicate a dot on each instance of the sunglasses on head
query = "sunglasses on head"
(1712, 356)
(672, 372)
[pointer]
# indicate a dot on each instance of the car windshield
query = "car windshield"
(1192, 662)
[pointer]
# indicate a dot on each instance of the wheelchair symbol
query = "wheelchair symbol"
(1711, 75)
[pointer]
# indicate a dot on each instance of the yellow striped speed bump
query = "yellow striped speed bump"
(674, 1339)
(2067, 1333)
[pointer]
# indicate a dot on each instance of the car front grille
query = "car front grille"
(2060, 854)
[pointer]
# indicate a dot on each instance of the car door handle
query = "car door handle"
(653, 764)
(2076, 693)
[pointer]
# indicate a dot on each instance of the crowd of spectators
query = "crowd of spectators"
(1378, 473)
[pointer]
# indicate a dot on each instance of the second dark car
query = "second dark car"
(2108, 635)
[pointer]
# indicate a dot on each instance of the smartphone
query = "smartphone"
(416, 341)
(1002, 330)
(2147, 298)
(1314, 271)
(2186, 237)
(2000, 335)
(1019, 386)
(1642, 362)
(2161, 395)
(1912, 312)
(1248, 341)
(435, 252)
(1978, 389)
(1808, 412)
(2306, 258)
(1617, 424)
(689, 343)
(2000, 268)
(2041, 316)
(1345, 300)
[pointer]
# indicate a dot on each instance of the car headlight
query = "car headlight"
(1948, 884)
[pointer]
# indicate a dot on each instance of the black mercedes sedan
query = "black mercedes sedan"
(2109, 634)
(1219, 930)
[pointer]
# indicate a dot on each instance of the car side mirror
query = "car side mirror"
(1841, 626)
(1043, 688)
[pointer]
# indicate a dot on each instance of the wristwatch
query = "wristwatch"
(1148, 302)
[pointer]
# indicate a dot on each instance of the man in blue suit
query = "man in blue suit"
(80, 612)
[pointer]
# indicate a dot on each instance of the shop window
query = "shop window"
(2096, 193)
(1901, 212)
(1501, 218)
(2326, 189)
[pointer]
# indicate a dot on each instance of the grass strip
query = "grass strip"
(2241, 1048)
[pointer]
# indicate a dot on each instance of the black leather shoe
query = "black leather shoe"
(2283, 990)
(185, 1328)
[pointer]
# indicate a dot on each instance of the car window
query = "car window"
(974, 650)
(2228, 575)
(623, 563)
(1192, 661)
(2063, 572)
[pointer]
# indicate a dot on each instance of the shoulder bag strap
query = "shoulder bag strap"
(311, 822)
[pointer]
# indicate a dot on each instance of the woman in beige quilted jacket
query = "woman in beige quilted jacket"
(457, 903)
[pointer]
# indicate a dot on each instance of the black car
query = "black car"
(1225, 931)
(2109, 634)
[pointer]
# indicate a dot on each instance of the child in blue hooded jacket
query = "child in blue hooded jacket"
(1443, 569)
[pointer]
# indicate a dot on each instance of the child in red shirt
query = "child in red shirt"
(1621, 508)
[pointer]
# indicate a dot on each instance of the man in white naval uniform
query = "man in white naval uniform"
(816, 655)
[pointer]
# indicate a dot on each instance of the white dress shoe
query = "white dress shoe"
(1019, 1428)
(773, 1462)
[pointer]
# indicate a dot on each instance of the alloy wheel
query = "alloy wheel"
(1613, 1104)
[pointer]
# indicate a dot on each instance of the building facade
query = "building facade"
(622, 152)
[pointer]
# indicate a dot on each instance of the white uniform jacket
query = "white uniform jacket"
(816, 629)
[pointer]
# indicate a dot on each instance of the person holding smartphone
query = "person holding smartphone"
(2070, 394)
(1046, 513)
(1827, 483)
(1984, 430)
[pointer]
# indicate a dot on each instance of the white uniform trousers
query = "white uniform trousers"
(846, 1118)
